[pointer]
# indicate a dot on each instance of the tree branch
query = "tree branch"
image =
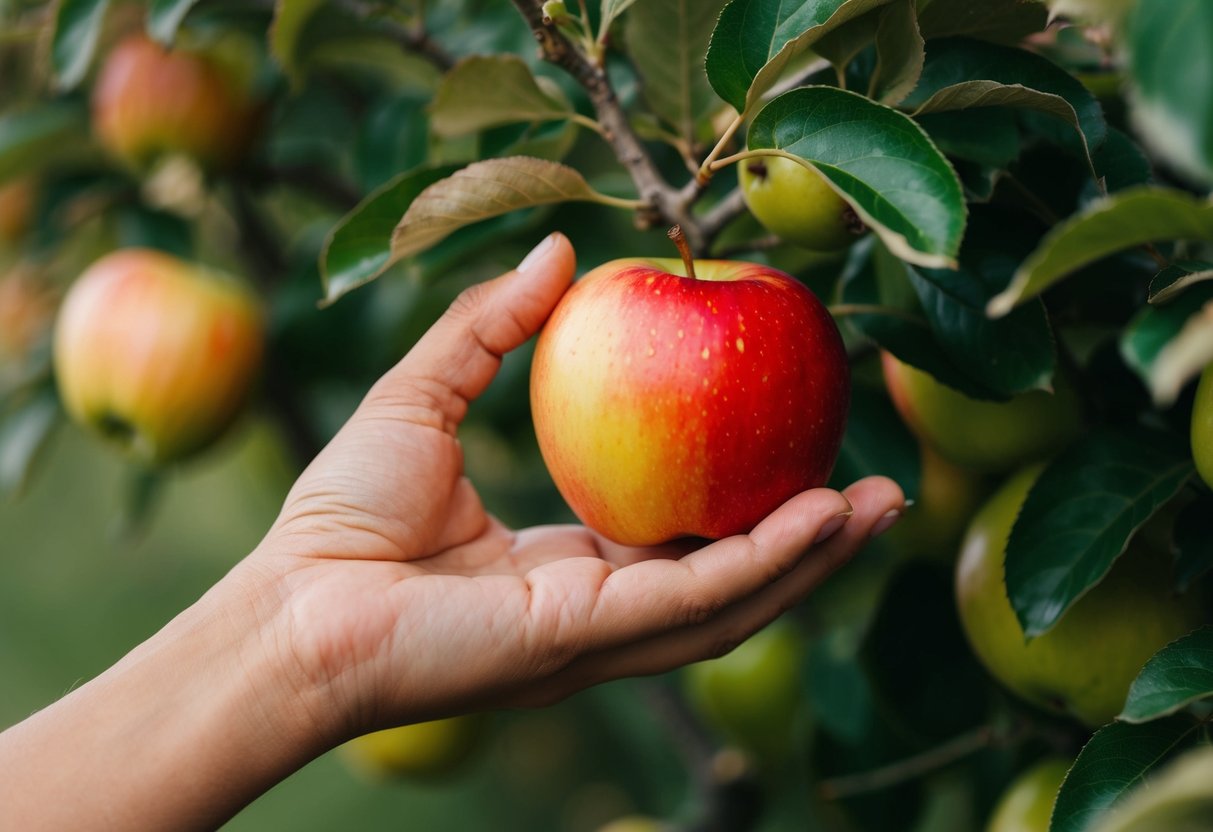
(414, 39)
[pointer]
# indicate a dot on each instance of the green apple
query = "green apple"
(156, 354)
(1084, 665)
(753, 695)
(796, 205)
(425, 750)
(985, 436)
(1202, 426)
(1027, 803)
(673, 399)
(634, 823)
(948, 495)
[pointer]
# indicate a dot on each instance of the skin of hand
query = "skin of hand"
(384, 594)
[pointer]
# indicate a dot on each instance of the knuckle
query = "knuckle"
(723, 645)
(467, 304)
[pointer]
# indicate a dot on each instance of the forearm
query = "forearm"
(181, 733)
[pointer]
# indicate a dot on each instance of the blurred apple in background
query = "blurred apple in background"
(425, 750)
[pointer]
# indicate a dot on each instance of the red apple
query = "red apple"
(155, 353)
(668, 405)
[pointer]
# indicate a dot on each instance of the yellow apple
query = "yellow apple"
(425, 750)
(1027, 803)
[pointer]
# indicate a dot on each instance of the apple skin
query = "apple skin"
(795, 204)
(667, 406)
(1202, 426)
(1027, 804)
(423, 751)
(155, 353)
(1084, 665)
(150, 102)
(985, 436)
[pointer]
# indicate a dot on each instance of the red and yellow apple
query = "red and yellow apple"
(151, 102)
(154, 353)
(669, 405)
(796, 205)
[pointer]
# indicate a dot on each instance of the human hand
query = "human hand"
(398, 598)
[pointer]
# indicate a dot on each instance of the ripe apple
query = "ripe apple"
(154, 353)
(753, 695)
(1084, 665)
(948, 496)
(1202, 426)
(151, 102)
(986, 436)
(796, 205)
(16, 208)
(1027, 803)
(425, 750)
(675, 399)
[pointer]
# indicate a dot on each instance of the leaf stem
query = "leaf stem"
(707, 168)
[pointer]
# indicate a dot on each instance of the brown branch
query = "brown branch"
(722, 213)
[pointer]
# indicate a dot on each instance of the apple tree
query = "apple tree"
(1004, 205)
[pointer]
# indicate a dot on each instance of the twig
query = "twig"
(722, 213)
(414, 39)
(766, 243)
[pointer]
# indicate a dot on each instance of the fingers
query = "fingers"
(873, 499)
(458, 357)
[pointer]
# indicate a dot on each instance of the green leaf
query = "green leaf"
(24, 431)
(1123, 220)
(358, 249)
(1178, 799)
(837, 685)
(1002, 21)
(34, 138)
(878, 160)
(755, 40)
(488, 189)
(985, 135)
(1170, 46)
(489, 91)
(666, 40)
(1176, 676)
(164, 18)
(960, 73)
(1113, 762)
(1169, 283)
(611, 9)
(843, 45)
(899, 53)
(77, 29)
(291, 18)
(1080, 515)
(1121, 163)
(1193, 539)
(1153, 330)
(1184, 356)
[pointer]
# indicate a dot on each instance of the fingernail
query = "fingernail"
(833, 525)
(537, 253)
(885, 522)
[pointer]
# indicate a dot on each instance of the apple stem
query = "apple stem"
(684, 249)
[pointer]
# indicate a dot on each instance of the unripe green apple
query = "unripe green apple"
(796, 205)
(948, 495)
(634, 823)
(1202, 426)
(154, 353)
(151, 102)
(16, 208)
(985, 436)
(425, 750)
(753, 695)
(668, 405)
(1084, 665)
(1027, 803)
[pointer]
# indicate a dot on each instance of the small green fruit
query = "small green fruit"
(1202, 426)
(1027, 803)
(1084, 665)
(795, 204)
(425, 750)
(985, 436)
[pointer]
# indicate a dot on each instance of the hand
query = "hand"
(400, 599)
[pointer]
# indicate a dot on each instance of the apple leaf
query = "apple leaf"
(1178, 798)
(1080, 515)
(1176, 676)
(33, 138)
(1170, 47)
(164, 18)
(985, 135)
(842, 45)
(291, 17)
(489, 91)
(666, 40)
(1123, 220)
(755, 40)
(1002, 21)
(960, 73)
(358, 248)
(899, 53)
(1193, 541)
(24, 430)
(488, 189)
(77, 28)
(878, 160)
(1111, 764)
(611, 9)
(1151, 344)
(837, 686)
(1176, 278)
(1121, 164)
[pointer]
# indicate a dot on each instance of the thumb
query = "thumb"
(456, 359)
